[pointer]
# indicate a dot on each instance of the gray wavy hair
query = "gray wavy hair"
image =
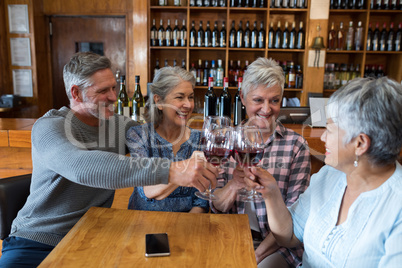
(373, 107)
(165, 80)
(262, 71)
(80, 68)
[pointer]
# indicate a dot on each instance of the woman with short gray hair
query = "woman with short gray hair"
(166, 135)
(286, 157)
(350, 216)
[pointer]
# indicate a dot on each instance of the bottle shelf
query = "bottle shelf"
(250, 9)
(343, 11)
(207, 48)
(287, 10)
(165, 47)
(384, 11)
(208, 8)
(285, 50)
(169, 8)
(384, 52)
(345, 51)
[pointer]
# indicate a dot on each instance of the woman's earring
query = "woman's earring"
(355, 162)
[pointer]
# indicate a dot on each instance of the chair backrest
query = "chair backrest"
(13, 195)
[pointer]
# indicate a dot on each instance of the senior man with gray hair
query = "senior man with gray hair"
(79, 160)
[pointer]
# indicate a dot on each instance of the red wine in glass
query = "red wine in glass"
(249, 157)
(217, 156)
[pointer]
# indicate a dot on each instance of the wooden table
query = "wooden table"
(106, 237)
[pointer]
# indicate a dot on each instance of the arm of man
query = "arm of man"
(266, 248)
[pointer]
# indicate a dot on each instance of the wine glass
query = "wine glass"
(248, 151)
(217, 141)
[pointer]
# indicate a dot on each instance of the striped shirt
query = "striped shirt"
(287, 158)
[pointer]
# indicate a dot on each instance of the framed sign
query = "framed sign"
(18, 18)
(20, 51)
(22, 82)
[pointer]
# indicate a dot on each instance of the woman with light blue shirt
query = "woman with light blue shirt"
(351, 214)
(166, 135)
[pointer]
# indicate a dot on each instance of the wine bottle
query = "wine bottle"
(163, 2)
(232, 36)
(299, 77)
(225, 100)
(292, 76)
(161, 34)
(176, 3)
(278, 36)
(176, 34)
(238, 71)
(212, 70)
(166, 63)
(183, 64)
(222, 3)
(215, 35)
(156, 66)
(351, 4)
(154, 34)
(205, 73)
(271, 35)
(239, 111)
(349, 36)
(359, 36)
(300, 37)
(380, 71)
(200, 36)
(219, 74)
(393, 5)
(192, 3)
(369, 44)
(174, 63)
(254, 36)
(343, 4)
(300, 3)
(261, 36)
(377, 4)
(138, 102)
(292, 4)
(168, 35)
(210, 99)
(376, 38)
(277, 4)
(292, 36)
(336, 4)
(233, 3)
(123, 105)
(341, 38)
(285, 3)
(239, 36)
(214, 3)
(385, 4)
(222, 36)
(285, 72)
(246, 3)
(208, 36)
(193, 35)
(285, 37)
(207, 3)
(247, 36)
(200, 74)
(359, 4)
(332, 37)
(231, 72)
(183, 34)
(199, 3)
(398, 37)
(383, 37)
(193, 71)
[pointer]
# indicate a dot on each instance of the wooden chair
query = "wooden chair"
(13, 195)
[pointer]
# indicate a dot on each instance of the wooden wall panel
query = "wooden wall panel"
(77, 7)
(5, 83)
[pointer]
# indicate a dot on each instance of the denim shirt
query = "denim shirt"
(371, 236)
(144, 141)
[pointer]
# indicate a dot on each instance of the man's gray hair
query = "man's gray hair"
(373, 107)
(80, 68)
(262, 71)
(165, 80)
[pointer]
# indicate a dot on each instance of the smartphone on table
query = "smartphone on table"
(157, 245)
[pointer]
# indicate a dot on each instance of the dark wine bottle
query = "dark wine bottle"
(239, 36)
(222, 36)
(398, 37)
(183, 34)
(271, 35)
(200, 36)
(225, 100)
(205, 73)
(176, 34)
(254, 36)
(239, 111)
(278, 36)
(369, 44)
(383, 37)
(215, 35)
(261, 36)
(161, 34)
(376, 38)
(200, 73)
(168, 35)
(193, 35)
(247, 36)
(285, 37)
(138, 102)
(391, 38)
(210, 99)
(293, 36)
(232, 36)
(300, 37)
(154, 34)
(208, 36)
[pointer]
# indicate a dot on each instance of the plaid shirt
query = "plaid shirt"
(287, 158)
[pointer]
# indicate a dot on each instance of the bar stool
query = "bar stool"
(14, 192)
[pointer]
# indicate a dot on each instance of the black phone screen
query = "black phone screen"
(157, 245)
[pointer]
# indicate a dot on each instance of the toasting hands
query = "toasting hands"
(261, 180)
(194, 172)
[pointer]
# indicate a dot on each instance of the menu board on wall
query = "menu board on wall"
(20, 51)
(22, 82)
(18, 18)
